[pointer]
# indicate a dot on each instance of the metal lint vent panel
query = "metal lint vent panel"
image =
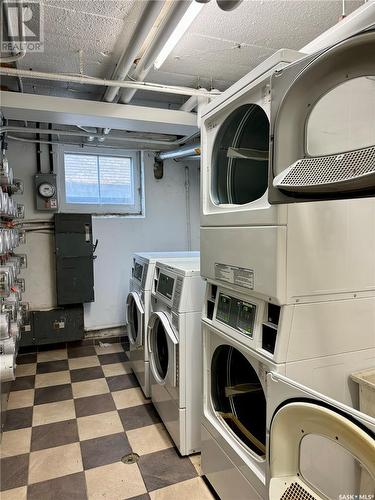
(355, 169)
(296, 492)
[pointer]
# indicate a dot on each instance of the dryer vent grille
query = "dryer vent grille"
(296, 492)
(348, 171)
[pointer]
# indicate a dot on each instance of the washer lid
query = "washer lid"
(300, 171)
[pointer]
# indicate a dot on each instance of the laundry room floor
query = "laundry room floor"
(74, 411)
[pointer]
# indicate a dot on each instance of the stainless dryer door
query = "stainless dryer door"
(323, 124)
(135, 314)
(162, 348)
(317, 447)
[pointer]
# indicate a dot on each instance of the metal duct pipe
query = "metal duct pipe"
(150, 12)
(183, 152)
(101, 82)
(189, 158)
(147, 60)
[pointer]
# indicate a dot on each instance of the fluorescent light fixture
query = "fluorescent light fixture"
(186, 20)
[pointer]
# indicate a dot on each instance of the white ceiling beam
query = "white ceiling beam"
(65, 111)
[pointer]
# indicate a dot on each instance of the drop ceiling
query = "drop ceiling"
(219, 48)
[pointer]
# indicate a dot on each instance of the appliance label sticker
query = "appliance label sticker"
(236, 275)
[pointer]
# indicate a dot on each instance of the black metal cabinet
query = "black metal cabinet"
(74, 258)
(57, 325)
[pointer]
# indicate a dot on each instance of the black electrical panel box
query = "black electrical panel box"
(63, 324)
(74, 259)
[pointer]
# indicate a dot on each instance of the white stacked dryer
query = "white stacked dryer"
(175, 351)
(138, 306)
(307, 432)
(291, 287)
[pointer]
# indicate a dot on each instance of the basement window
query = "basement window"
(107, 183)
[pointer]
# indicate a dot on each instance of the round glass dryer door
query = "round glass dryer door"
(240, 157)
(162, 345)
(135, 318)
(238, 397)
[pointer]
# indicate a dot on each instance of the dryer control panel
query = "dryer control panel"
(236, 313)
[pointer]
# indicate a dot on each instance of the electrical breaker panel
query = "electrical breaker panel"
(46, 192)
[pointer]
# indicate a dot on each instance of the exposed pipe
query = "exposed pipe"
(87, 80)
(10, 59)
(187, 204)
(68, 133)
(21, 139)
(183, 152)
(21, 54)
(10, 34)
(50, 150)
(38, 151)
(150, 12)
(147, 60)
(343, 13)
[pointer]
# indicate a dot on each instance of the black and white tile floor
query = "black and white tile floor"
(74, 412)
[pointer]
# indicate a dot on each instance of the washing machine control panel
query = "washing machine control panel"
(236, 313)
(165, 285)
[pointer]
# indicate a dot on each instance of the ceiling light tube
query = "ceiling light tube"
(181, 28)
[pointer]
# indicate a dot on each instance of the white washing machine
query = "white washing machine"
(295, 252)
(244, 339)
(234, 416)
(317, 351)
(175, 351)
(138, 306)
(301, 423)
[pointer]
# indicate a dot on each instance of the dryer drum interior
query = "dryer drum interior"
(240, 157)
(160, 348)
(238, 397)
(133, 319)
